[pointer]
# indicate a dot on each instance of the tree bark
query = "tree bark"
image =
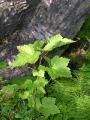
(11, 12)
(17, 72)
(51, 17)
(56, 16)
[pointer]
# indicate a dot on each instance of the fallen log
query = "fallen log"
(9, 73)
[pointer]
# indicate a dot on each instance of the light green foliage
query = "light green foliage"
(56, 41)
(15, 95)
(40, 84)
(41, 96)
(38, 45)
(28, 54)
(85, 75)
(58, 67)
(72, 95)
(48, 106)
(9, 89)
(40, 72)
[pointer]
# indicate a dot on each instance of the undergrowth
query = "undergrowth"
(53, 91)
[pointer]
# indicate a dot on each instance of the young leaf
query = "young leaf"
(48, 107)
(34, 102)
(31, 102)
(9, 89)
(56, 41)
(28, 84)
(58, 68)
(40, 84)
(27, 54)
(40, 72)
(38, 44)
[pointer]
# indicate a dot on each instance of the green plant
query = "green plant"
(51, 92)
(73, 95)
(28, 99)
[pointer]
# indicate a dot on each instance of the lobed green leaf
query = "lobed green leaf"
(58, 67)
(56, 41)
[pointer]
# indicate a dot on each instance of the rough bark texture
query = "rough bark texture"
(11, 12)
(17, 72)
(56, 16)
(50, 17)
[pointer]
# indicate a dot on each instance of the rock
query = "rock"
(11, 12)
(56, 16)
